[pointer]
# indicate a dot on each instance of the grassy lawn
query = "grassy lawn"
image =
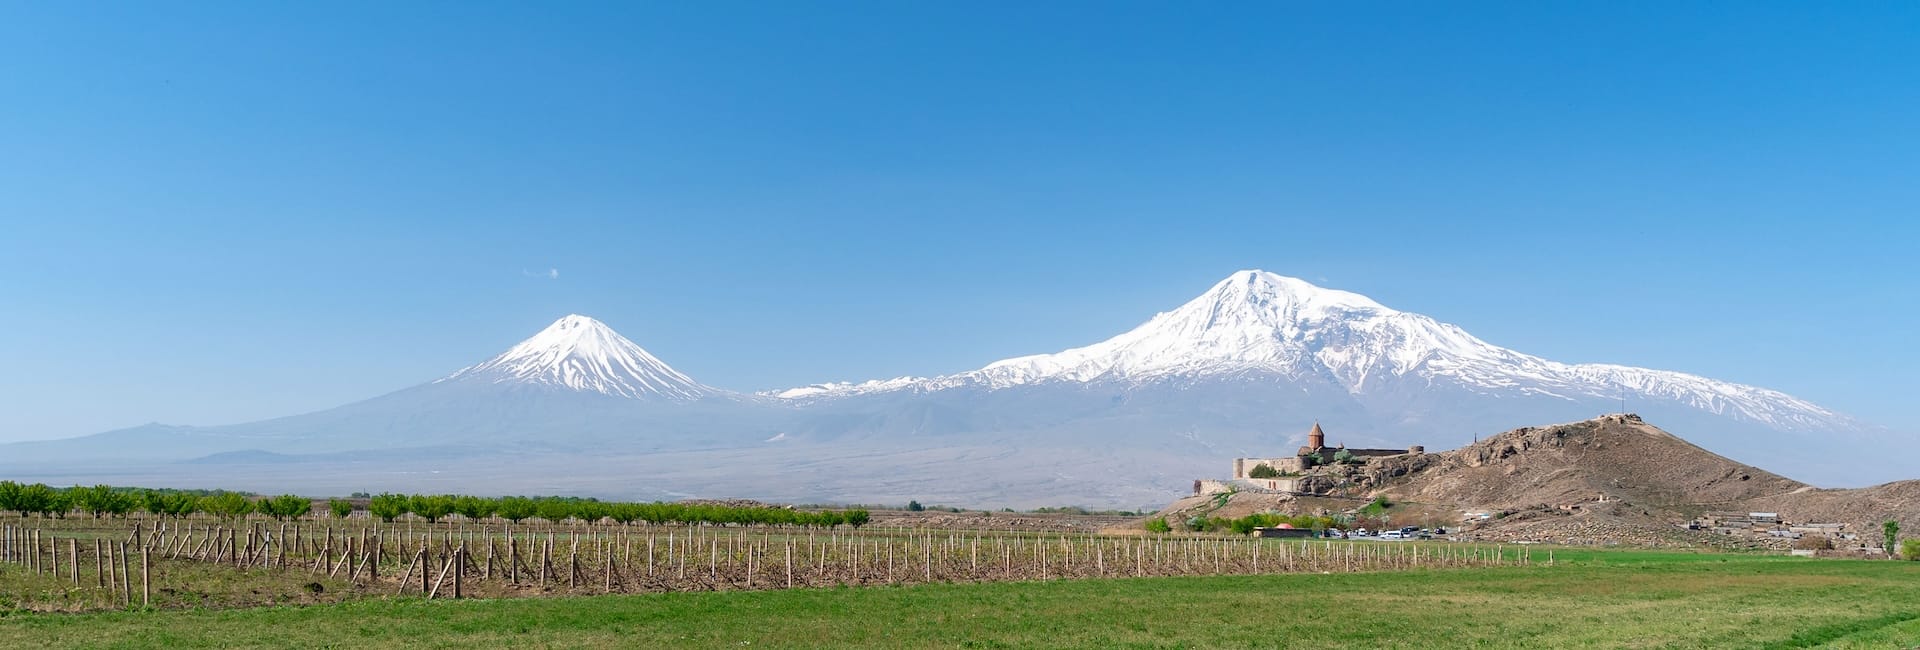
(1630, 599)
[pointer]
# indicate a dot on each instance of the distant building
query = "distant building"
(1315, 452)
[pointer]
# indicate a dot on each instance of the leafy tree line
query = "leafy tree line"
(1245, 525)
(103, 500)
(106, 500)
(390, 506)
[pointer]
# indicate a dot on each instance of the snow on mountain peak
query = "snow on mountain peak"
(1260, 324)
(582, 354)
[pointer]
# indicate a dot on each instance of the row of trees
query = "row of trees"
(1245, 525)
(432, 508)
(99, 500)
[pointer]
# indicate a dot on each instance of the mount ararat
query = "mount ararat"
(1242, 370)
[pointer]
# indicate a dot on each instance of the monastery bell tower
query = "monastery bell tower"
(1316, 438)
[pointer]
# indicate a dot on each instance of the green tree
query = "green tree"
(170, 504)
(858, 517)
(231, 505)
(473, 508)
(94, 501)
(57, 504)
(1263, 470)
(430, 507)
(1889, 532)
(554, 509)
(1343, 456)
(514, 509)
(387, 506)
(340, 508)
(287, 506)
(10, 497)
(1910, 550)
(914, 506)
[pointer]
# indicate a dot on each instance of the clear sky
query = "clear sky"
(219, 212)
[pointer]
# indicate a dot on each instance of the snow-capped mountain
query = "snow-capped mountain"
(582, 354)
(1258, 324)
(1243, 370)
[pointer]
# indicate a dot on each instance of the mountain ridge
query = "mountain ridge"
(1259, 322)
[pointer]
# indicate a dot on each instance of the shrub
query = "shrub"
(1343, 456)
(1910, 550)
(1263, 470)
(1158, 525)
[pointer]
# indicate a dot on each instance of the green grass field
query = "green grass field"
(1636, 599)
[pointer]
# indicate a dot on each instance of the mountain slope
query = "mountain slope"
(574, 387)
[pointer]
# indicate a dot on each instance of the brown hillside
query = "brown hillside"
(1616, 458)
(1610, 480)
(1863, 509)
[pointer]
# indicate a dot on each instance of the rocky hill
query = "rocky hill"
(1612, 458)
(1613, 479)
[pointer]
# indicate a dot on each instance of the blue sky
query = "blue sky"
(218, 212)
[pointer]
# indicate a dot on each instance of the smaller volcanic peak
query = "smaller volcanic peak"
(581, 354)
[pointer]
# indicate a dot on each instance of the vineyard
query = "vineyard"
(84, 563)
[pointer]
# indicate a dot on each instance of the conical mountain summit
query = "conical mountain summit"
(582, 354)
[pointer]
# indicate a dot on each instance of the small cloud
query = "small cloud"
(550, 274)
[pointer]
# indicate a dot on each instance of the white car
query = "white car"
(1393, 534)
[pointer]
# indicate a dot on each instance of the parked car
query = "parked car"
(1361, 532)
(1393, 534)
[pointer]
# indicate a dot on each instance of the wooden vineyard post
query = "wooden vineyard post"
(408, 574)
(73, 560)
(459, 571)
(435, 591)
(789, 564)
(126, 581)
(146, 578)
